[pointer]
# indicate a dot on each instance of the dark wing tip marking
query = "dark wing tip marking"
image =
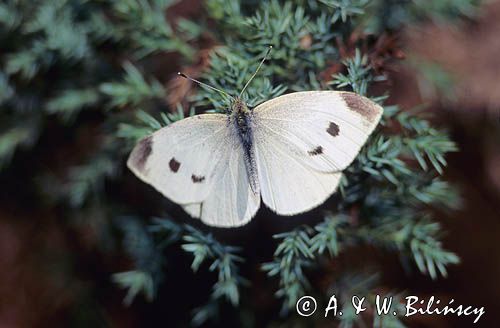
(197, 178)
(174, 165)
(362, 105)
(316, 151)
(333, 129)
(142, 152)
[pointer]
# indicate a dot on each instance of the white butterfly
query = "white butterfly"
(290, 151)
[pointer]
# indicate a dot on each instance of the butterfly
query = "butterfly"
(289, 151)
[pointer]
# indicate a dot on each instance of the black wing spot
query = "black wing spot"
(174, 165)
(316, 151)
(197, 178)
(144, 149)
(333, 129)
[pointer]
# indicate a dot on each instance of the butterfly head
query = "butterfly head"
(238, 106)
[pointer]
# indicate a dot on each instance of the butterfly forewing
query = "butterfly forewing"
(324, 129)
(181, 160)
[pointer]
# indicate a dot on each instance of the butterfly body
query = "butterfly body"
(241, 116)
(288, 152)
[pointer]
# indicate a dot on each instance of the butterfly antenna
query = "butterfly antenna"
(204, 84)
(257, 70)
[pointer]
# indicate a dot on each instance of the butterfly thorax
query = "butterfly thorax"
(241, 116)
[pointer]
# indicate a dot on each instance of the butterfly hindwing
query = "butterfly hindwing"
(232, 201)
(289, 186)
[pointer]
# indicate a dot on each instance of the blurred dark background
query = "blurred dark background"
(470, 55)
(56, 273)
